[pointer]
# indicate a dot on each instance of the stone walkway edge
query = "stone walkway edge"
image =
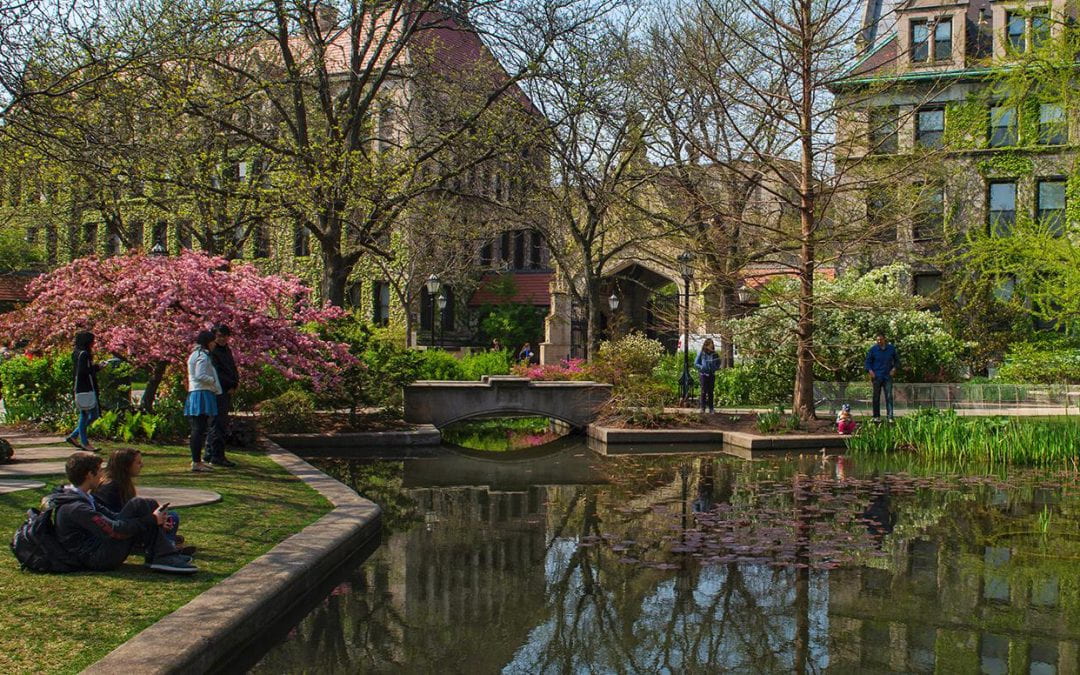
(215, 626)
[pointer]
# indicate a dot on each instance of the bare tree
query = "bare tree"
(762, 151)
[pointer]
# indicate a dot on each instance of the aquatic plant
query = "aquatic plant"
(938, 435)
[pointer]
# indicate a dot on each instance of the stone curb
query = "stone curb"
(210, 630)
(425, 434)
(616, 436)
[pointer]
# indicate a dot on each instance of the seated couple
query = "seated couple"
(101, 538)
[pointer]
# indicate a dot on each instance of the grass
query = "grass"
(945, 436)
(63, 623)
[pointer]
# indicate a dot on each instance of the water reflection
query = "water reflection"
(571, 562)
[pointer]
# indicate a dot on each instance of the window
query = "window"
(487, 254)
(352, 294)
(881, 227)
(943, 39)
(160, 235)
(136, 234)
(536, 251)
(1040, 27)
(994, 654)
(1052, 129)
(380, 303)
(301, 241)
(1015, 27)
(920, 41)
(1002, 211)
(930, 127)
(883, 128)
(1051, 205)
(519, 250)
(930, 217)
(1002, 126)
(504, 247)
(32, 234)
(112, 245)
(88, 245)
(425, 309)
(927, 284)
(262, 240)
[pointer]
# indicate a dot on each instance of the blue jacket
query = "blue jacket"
(881, 360)
(707, 363)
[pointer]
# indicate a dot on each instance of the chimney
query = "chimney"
(326, 17)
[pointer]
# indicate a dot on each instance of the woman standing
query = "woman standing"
(86, 389)
(707, 363)
(203, 390)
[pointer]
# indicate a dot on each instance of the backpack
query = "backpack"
(36, 546)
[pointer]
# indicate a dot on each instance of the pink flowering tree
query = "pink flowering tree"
(148, 310)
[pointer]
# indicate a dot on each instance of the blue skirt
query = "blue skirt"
(200, 402)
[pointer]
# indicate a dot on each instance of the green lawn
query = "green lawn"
(65, 622)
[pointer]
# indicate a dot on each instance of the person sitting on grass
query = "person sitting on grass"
(101, 539)
(118, 489)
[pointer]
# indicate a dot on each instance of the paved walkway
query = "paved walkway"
(7, 486)
(823, 411)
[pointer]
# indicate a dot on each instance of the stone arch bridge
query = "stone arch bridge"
(441, 402)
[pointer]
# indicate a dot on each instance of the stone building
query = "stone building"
(922, 99)
(64, 216)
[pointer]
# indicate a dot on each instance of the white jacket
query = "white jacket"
(202, 375)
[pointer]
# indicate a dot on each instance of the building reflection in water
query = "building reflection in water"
(504, 568)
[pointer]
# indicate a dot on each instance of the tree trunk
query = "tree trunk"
(157, 373)
(803, 399)
(592, 317)
(335, 274)
(727, 313)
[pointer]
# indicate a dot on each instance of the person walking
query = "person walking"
(203, 390)
(882, 362)
(707, 363)
(526, 354)
(229, 377)
(86, 389)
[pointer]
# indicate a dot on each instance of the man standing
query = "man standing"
(230, 380)
(882, 362)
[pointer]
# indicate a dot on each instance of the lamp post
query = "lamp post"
(613, 303)
(686, 384)
(433, 286)
(442, 324)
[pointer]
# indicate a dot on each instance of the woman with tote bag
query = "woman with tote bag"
(86, 389)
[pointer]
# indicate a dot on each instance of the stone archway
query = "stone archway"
(649, 303)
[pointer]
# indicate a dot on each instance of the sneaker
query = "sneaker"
(222, 462)
(199, 467)
(173, 563)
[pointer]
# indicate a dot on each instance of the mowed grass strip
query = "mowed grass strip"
(65, 622)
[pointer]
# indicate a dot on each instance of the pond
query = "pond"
(563, 561)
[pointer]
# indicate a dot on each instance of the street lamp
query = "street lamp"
(744, 294)
(442, 323)
(433, 286)
(687, 271)
(613, 302)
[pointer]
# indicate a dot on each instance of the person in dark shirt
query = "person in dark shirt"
(101, 539)
(82, 359)
(882, 362)
(230, 380)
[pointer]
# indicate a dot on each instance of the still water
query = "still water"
(558, 560)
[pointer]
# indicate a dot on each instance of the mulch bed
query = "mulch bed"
(721, 422)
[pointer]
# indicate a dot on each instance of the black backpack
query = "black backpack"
(36, 546)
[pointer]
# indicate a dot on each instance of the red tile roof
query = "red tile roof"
(530, 288)
(13, 287)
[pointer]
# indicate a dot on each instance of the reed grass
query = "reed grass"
(938, 435)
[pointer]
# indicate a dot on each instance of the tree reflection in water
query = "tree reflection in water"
(684, 564)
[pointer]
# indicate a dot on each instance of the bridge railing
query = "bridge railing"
(992, 397)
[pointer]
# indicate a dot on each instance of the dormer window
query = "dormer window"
(943, 39)
(920, 41)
